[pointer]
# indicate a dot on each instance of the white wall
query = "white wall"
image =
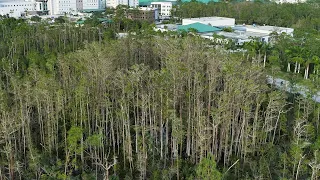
(288, 31)
(16, 8)
(94, 4)
(67, 6)
(164, 9)
(41, 6)
(258, 30)
(56, 7)
(213, 21)
(79, 5)
(115, 3)
(290, 1)
(269, 29)
(53, 7)
(90, 4)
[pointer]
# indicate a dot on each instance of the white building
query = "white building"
(63, 6)
(52, 7)
(164, 9)
(94, 4)
(115, 3)
(246, 33)
(79, 5)
(269, 29)
(67, 6)
(289, 1)
(213, 21)
(166, 27)
(18, 8)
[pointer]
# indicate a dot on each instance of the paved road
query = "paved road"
(287, 86)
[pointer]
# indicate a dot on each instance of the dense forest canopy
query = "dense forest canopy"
(77, 103)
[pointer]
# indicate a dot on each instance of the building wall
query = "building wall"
(17, 8)
(269, 29)
(91, 4)
(102, 4)
(94, 4)
(142, 15)
(164, 9)
(67, 6)
(257, 30)
(61, 7)
(79, 5)
(214, 22)
(41, 6)
(289, 1)
(115, 3)
(52, 7)
(111, 3)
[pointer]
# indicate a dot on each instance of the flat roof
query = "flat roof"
(202, 1)
(148, 2)
(146, 8)
(268, 28)
(162, 2)
(242, 34)
(201, 28)
(93, 10)
(168, 26)
(214, 18)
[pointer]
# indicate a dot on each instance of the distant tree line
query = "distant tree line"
(296, 15)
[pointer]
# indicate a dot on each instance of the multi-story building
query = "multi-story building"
(94, 4)
(66, 6)
(79, 5)
(63, 6)
(115, 3)
(74, 6)
(18, 8)
(164, 9)
(143, 14)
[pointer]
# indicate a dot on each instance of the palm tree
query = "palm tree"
(316, 62)
(308, 60)
(294, 54)
(266, 48)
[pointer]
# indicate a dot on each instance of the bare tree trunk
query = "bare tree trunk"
(306, 72)
(264, 59)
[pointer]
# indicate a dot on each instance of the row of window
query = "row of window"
(65, 9)
(16, 10)
(14, 5)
